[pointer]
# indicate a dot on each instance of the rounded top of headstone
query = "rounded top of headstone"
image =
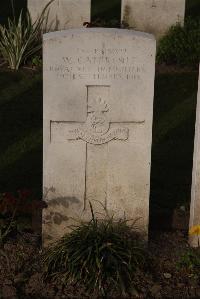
(105, 31)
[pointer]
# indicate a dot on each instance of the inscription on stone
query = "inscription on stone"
(97, 64)
(98, 107)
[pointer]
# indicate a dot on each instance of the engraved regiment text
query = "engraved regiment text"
(98, 64)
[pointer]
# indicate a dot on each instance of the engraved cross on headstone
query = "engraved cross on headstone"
(97, 131)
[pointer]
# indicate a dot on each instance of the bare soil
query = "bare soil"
(21, 271)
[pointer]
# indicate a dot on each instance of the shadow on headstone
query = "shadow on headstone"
(7, 7)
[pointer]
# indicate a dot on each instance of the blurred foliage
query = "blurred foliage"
(190, 260)
(181, 45)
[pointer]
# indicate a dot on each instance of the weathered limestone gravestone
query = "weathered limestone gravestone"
(63, 14)
(98, 107)
(154, 16)
(195, 194)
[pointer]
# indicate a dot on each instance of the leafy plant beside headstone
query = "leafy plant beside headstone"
(181, 45)
(21, 38)
(190, 260)
(36, 61)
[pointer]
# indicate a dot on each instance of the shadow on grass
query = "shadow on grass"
(20, 106)
(21, 124)
(172, 148)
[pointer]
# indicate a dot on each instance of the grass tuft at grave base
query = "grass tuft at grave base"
(101, 254)
(172, 273)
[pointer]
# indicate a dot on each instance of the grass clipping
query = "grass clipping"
(101, 254)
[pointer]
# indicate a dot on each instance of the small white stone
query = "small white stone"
(167, 275)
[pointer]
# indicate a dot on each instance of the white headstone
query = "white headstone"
(195, 194)
(154, 16)
(98, 107)
(63, 14)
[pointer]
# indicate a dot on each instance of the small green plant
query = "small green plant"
(36, 61)
(22, 38)
(101, 254)
(181, 45)
(190, 260)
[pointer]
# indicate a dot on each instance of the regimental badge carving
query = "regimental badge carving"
(96, 129)
(97, 122)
